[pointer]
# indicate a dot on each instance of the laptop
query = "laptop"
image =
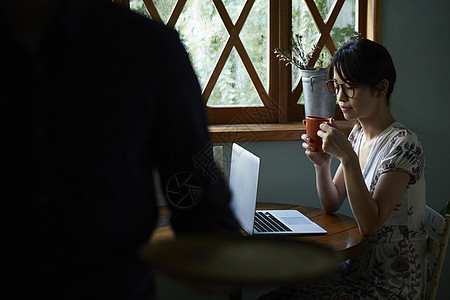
(244, 174)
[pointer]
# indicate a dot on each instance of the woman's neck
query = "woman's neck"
(375, 125)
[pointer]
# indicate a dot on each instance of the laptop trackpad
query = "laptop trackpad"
(295, 221)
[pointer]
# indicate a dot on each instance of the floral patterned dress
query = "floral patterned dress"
(393, 266)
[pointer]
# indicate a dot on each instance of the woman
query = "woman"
(381, 172)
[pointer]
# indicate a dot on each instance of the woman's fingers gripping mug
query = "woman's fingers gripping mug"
(312, 126)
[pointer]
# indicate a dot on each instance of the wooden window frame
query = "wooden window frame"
(279, 118)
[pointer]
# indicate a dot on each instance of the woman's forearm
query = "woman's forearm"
(364, 207)
(327, 190)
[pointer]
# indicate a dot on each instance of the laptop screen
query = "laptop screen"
(244, 173)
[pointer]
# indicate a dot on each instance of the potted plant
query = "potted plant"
(318, 100)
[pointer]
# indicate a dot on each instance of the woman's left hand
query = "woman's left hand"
(334, 141)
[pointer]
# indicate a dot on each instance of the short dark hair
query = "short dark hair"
(364, 62)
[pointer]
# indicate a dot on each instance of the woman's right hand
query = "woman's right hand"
(320, 159)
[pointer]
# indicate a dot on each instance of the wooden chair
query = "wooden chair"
(438, 231)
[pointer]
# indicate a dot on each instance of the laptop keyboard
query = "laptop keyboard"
(266, 222)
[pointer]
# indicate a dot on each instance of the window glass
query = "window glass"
(164, 8)
(345, 25)
(203, 35)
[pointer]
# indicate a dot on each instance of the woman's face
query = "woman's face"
(361, 106)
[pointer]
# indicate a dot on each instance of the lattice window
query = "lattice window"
(231, 44)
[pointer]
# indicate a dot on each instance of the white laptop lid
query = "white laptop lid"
(244, 173)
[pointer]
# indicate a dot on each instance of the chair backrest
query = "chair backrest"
(438, 232)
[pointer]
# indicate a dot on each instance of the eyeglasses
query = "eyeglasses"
(334, 87)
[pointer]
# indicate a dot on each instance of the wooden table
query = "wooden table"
(342, 231)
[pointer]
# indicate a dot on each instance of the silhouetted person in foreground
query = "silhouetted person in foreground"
(97, 100)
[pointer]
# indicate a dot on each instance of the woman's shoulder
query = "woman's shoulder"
(399, 133)
(402, 150)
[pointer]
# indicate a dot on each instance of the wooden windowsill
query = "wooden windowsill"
(264, 132)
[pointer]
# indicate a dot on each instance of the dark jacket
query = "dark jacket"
(109, 100)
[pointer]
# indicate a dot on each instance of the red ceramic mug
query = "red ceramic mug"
(312, 126)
